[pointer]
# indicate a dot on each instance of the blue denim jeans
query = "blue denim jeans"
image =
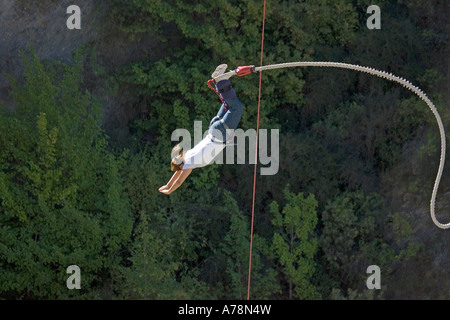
(223, 125)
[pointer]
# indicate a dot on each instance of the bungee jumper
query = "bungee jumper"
(221, 131)
(223, 125)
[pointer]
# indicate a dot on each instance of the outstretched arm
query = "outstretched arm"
(176, 181)
(171, 181)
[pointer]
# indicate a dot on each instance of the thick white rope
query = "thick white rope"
(390, 77)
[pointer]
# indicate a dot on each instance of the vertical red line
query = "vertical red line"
(256, 156)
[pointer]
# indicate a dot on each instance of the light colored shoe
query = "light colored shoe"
(219, 74)
(219, 71)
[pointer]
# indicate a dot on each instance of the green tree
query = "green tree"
(295, 242)
(349, 229)
(152, 271)
(61, 194)
(340, 231)
(236, 251)
(354, 237)
(235, 248)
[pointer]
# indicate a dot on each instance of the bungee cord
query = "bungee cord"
(241, 71)
(406, 84)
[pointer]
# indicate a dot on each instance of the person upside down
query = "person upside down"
(221, 131)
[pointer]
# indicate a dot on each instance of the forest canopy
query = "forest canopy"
(74, 192)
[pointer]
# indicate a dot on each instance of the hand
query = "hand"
(165, 191)
(163, 188)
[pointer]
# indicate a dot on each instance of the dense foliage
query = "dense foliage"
(69, 194)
